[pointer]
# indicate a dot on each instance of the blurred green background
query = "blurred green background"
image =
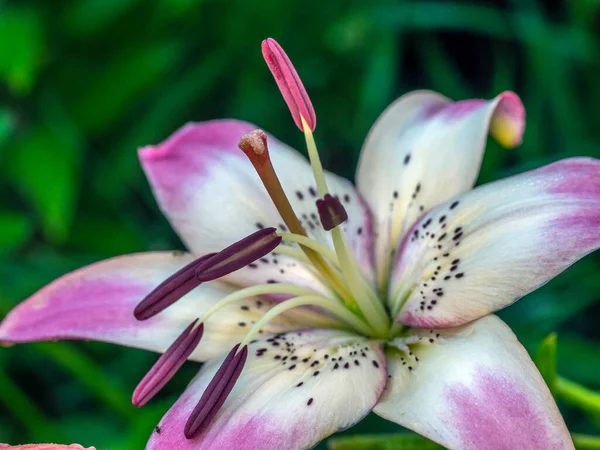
(84, 83)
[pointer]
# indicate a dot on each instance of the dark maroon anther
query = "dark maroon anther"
(216, 392)
(170, 290)
(168, 364)
(331, 212)
(239, 255)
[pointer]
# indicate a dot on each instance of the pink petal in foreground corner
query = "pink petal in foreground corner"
(212, 196)
(425, 149)
(97, 303)
(472, 388)
(295, 390)
(45, 447)
(482, 251)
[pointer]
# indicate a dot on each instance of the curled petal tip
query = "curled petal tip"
(508, 121)
(289, 84)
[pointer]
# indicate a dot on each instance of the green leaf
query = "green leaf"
(579, 397)
(88, 17)
(579, 359)
(21, 47)
(7, 124)
(586, 442)
(564, 42)
(400, 441)
(106, 389)
(26, 410)
(15, 230)
(124, 82)
(378, 82)
(545, 360)
(44, 169)
(178, 98)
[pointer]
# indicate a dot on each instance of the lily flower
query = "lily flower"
(378, 297)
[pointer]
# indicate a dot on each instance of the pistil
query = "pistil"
(254, 145)
(331, 211)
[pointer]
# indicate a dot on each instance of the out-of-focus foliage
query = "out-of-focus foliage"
(84, 83)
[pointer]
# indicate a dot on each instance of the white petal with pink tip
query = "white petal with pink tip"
(97, 302)
(423, 150)
(294, 391)
(212, 196)
(473, 388)
(482, 251)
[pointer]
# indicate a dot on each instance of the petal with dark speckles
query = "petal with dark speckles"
(473, 388)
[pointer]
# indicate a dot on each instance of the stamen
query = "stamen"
(170, 290)
(216, 392)
(323, 250)
(310, 300)
(331, 212)
(254, 145)
(238, 255)
(289, 83)
(253, 291)
(366, 299)
(168, 364)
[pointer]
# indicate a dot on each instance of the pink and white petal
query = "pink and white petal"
(302, 388)
(473, 387)
(484, 250)
(97, 303)
(423, 150)
(210, 193)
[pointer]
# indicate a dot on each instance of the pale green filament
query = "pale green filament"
(323, 250)
(402, 294)
(330, 279)
(293, 252)
(253, 291)
(365, 297)
(361, 292)
(315, 161)
(328, 275)
(309, 300)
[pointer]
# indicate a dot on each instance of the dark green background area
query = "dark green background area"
(84, 83)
